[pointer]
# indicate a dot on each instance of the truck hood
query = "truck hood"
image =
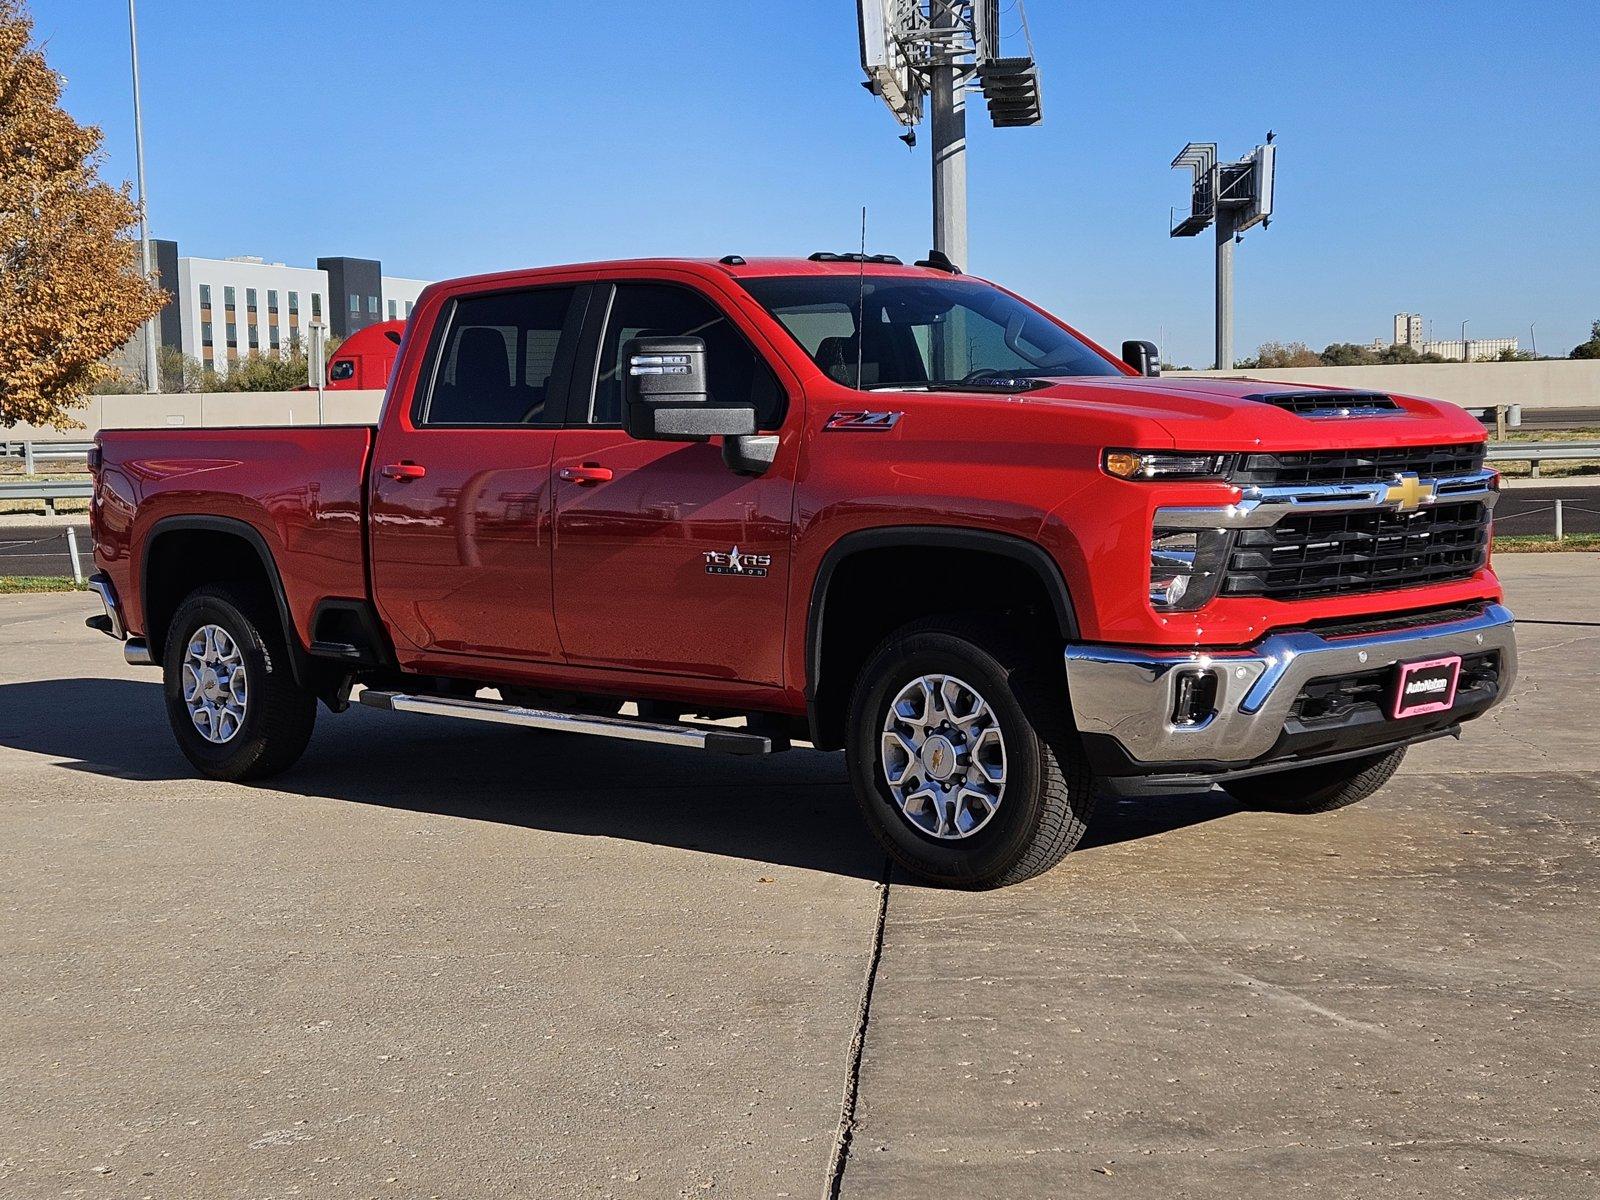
(1242, 414)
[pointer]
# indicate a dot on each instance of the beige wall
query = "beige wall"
(1560, 383)
(202, 410)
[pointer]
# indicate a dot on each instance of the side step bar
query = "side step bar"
(695, 737)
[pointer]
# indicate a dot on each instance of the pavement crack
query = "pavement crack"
(858, 1040)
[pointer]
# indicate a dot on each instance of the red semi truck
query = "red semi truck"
(893, 510)
(365, 358)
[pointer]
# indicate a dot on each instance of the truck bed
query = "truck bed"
(299, 488)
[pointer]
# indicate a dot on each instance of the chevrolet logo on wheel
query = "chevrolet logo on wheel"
(1408, 492)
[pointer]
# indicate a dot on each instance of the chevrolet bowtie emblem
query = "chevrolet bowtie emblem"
(1408, 492)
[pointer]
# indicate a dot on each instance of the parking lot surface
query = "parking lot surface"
(457, 961)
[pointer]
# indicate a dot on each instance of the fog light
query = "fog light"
(1196, 700)
(1185, 566)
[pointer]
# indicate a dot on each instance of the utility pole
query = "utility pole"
(152, 372)
(1224, 289)
(940, 50)
(949, 127)
(1235, 197)
(1465, 357)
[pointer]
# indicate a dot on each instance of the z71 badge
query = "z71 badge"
(856, 420)
(736, 562)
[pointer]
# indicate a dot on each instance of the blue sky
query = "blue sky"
(1436, 157)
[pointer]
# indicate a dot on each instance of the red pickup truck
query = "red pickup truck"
(889, 509)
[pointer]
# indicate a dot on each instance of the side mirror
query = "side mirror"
(664, 396)
(1143, 357)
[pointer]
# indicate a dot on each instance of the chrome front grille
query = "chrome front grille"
(1327, 523)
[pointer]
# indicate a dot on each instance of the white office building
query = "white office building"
(231, 308)
(226, 309)
(400, 296)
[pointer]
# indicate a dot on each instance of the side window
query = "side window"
(734, 370)
(498, 361)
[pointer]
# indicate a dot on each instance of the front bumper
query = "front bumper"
(1123, 699)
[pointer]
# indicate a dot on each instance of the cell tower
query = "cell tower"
(941, 50)
(1234, 196)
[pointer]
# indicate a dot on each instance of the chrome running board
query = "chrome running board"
(694, 737)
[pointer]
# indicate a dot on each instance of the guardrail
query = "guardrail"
(48, 490)
(32, 452)
(1534, 453)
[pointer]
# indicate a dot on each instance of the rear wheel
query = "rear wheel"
(231, 697)
(1318, 789)
(963, 756)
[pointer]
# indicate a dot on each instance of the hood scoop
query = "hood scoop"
(1320, 405)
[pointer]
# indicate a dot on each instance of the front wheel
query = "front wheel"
(231, 697)
(963, 756)
(1318, 789)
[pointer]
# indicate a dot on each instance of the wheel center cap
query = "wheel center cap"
(210, 686)
(939, 757)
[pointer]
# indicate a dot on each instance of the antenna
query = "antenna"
(861, 298)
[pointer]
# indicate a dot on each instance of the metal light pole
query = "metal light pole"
(1465, 357)
(1224, 288)
(152, 372)
(949, 129)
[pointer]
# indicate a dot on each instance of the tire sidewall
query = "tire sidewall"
(236, 755)
(983, 855)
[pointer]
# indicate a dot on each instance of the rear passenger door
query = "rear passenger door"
(665, 560)
(461, 478)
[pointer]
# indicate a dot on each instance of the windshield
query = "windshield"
(879, 331)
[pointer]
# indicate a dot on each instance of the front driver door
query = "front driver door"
(665, 560)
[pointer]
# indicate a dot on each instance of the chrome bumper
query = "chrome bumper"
(1130, 694)
(101, 586)
(135, 650)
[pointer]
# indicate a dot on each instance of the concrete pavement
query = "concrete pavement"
(434, 960)
(455, 961)
(1402, 998)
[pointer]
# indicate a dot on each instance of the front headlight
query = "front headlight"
(1166, 464)
(1186, 567)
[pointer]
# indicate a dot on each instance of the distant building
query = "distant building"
(226, 309)
(1408, 332)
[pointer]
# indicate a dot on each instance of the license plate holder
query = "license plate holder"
(1428, 686)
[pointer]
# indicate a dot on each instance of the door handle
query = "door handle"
(405, 470)
(587, 475)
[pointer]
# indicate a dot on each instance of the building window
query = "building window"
(408, 310)
(255, 336)
(228, 296)
(372, 305)
(250, 299)
(272, 300)
(294, 304)
(316, 306)
(205, 295)
(355, 303)
(205, 333)
(394, 310)
(233, 335)
(272, 336)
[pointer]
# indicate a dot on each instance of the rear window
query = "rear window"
(500, 361)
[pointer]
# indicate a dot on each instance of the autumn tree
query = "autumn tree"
(71, 285)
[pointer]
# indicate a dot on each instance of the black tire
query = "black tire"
(1318, 789)
(1044, 810)
(278, 713)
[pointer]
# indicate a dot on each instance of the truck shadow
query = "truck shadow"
(794, 809)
